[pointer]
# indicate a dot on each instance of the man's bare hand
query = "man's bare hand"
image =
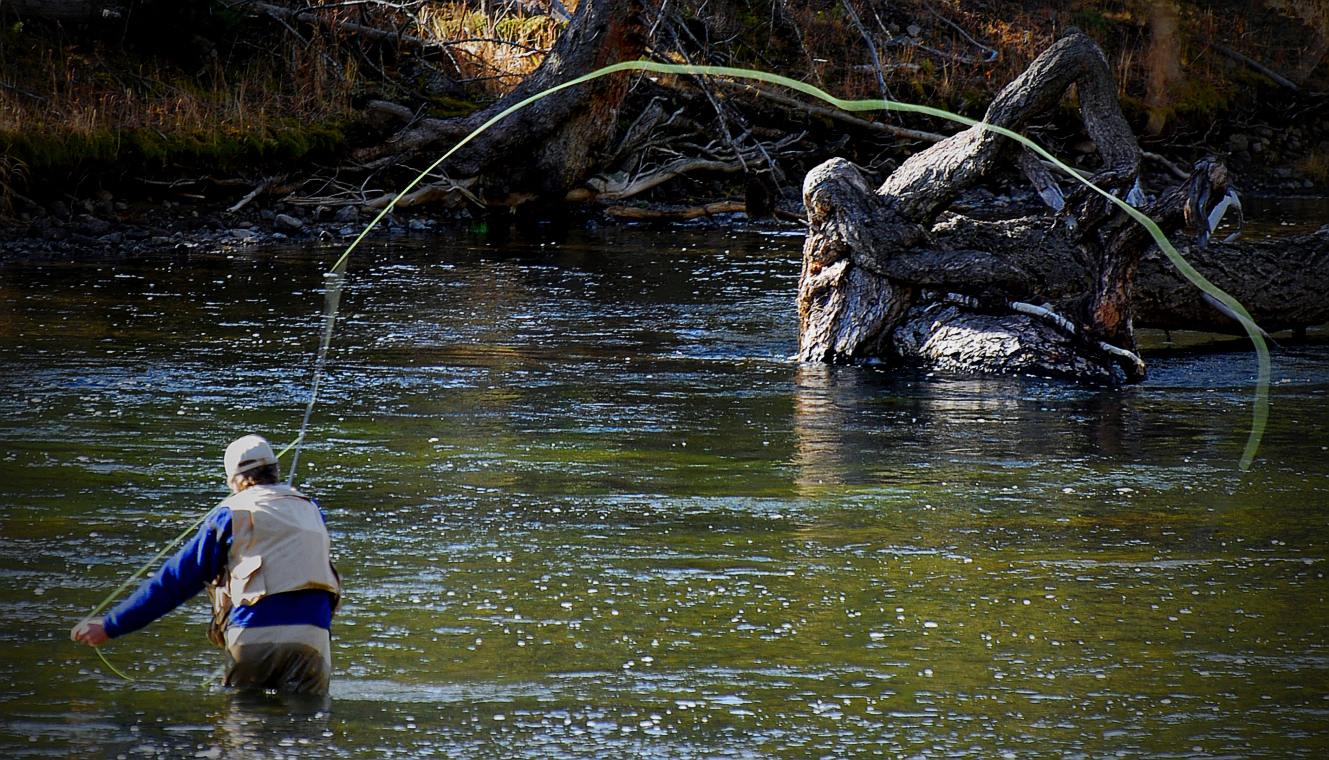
(90, 632)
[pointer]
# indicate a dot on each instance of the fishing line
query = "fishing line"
(336, 276)
(142, 569)
(334, 279)
(113, 668)
(1260, 411)
(103, 604)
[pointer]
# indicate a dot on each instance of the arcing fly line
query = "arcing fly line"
(1260, 412)
(103, 604)
(336, 276)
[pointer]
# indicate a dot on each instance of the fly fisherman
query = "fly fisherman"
(262, 554)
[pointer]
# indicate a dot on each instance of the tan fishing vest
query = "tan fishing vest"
(278, 544)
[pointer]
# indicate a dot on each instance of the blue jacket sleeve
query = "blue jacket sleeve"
(180, 578)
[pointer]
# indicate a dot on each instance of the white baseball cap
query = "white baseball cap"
(247, 453)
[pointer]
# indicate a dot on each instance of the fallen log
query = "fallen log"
(677, 214)
(550, 147)
(1281, 282)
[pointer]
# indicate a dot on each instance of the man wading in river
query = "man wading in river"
(263, 556)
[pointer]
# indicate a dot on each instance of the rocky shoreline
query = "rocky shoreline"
(107, 226)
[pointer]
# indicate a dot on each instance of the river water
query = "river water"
(586, 507)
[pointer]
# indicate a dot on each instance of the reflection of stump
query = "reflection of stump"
(844, 435)
(875, 262)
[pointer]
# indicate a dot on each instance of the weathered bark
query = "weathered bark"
(552, 145)
(929, 181)
(1282, 283)
(885, 276)
(955, 339)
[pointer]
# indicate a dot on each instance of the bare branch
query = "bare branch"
(838, 115)
(872, 49)
(261, 188)
(1252, 64)
(692, 212)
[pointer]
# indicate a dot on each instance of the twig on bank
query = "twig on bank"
(691, 212)
(872, 49)
(256, 192)
(1177, 171)
(22, 91)
(626, 189)
(530, 49)
(1252, 64)
(990, 54)
(305, 43)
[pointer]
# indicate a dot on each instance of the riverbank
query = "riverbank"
(257, 129)
(109, 227)
(118, 228)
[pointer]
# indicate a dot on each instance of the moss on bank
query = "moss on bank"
(54, 151)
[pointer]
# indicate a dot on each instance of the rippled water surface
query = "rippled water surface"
(587, 507)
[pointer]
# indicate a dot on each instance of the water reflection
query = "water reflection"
(262, 725)
(843, 415)
(821, 421)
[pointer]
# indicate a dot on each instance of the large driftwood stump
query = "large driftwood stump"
(890, 274)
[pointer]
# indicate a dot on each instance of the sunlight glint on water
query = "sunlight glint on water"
(586, 506)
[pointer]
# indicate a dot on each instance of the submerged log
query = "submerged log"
(891, 274)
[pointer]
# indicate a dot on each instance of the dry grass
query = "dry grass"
(74, 92)
(301, 82)
(495, 50)
(312, 80)
(1315, 167)
(13, 173)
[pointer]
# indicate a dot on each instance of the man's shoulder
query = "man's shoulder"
(267, 496)
(278, 490)
(220, 516)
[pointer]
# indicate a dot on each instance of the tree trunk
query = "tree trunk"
(886, 275)
(552, 145)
